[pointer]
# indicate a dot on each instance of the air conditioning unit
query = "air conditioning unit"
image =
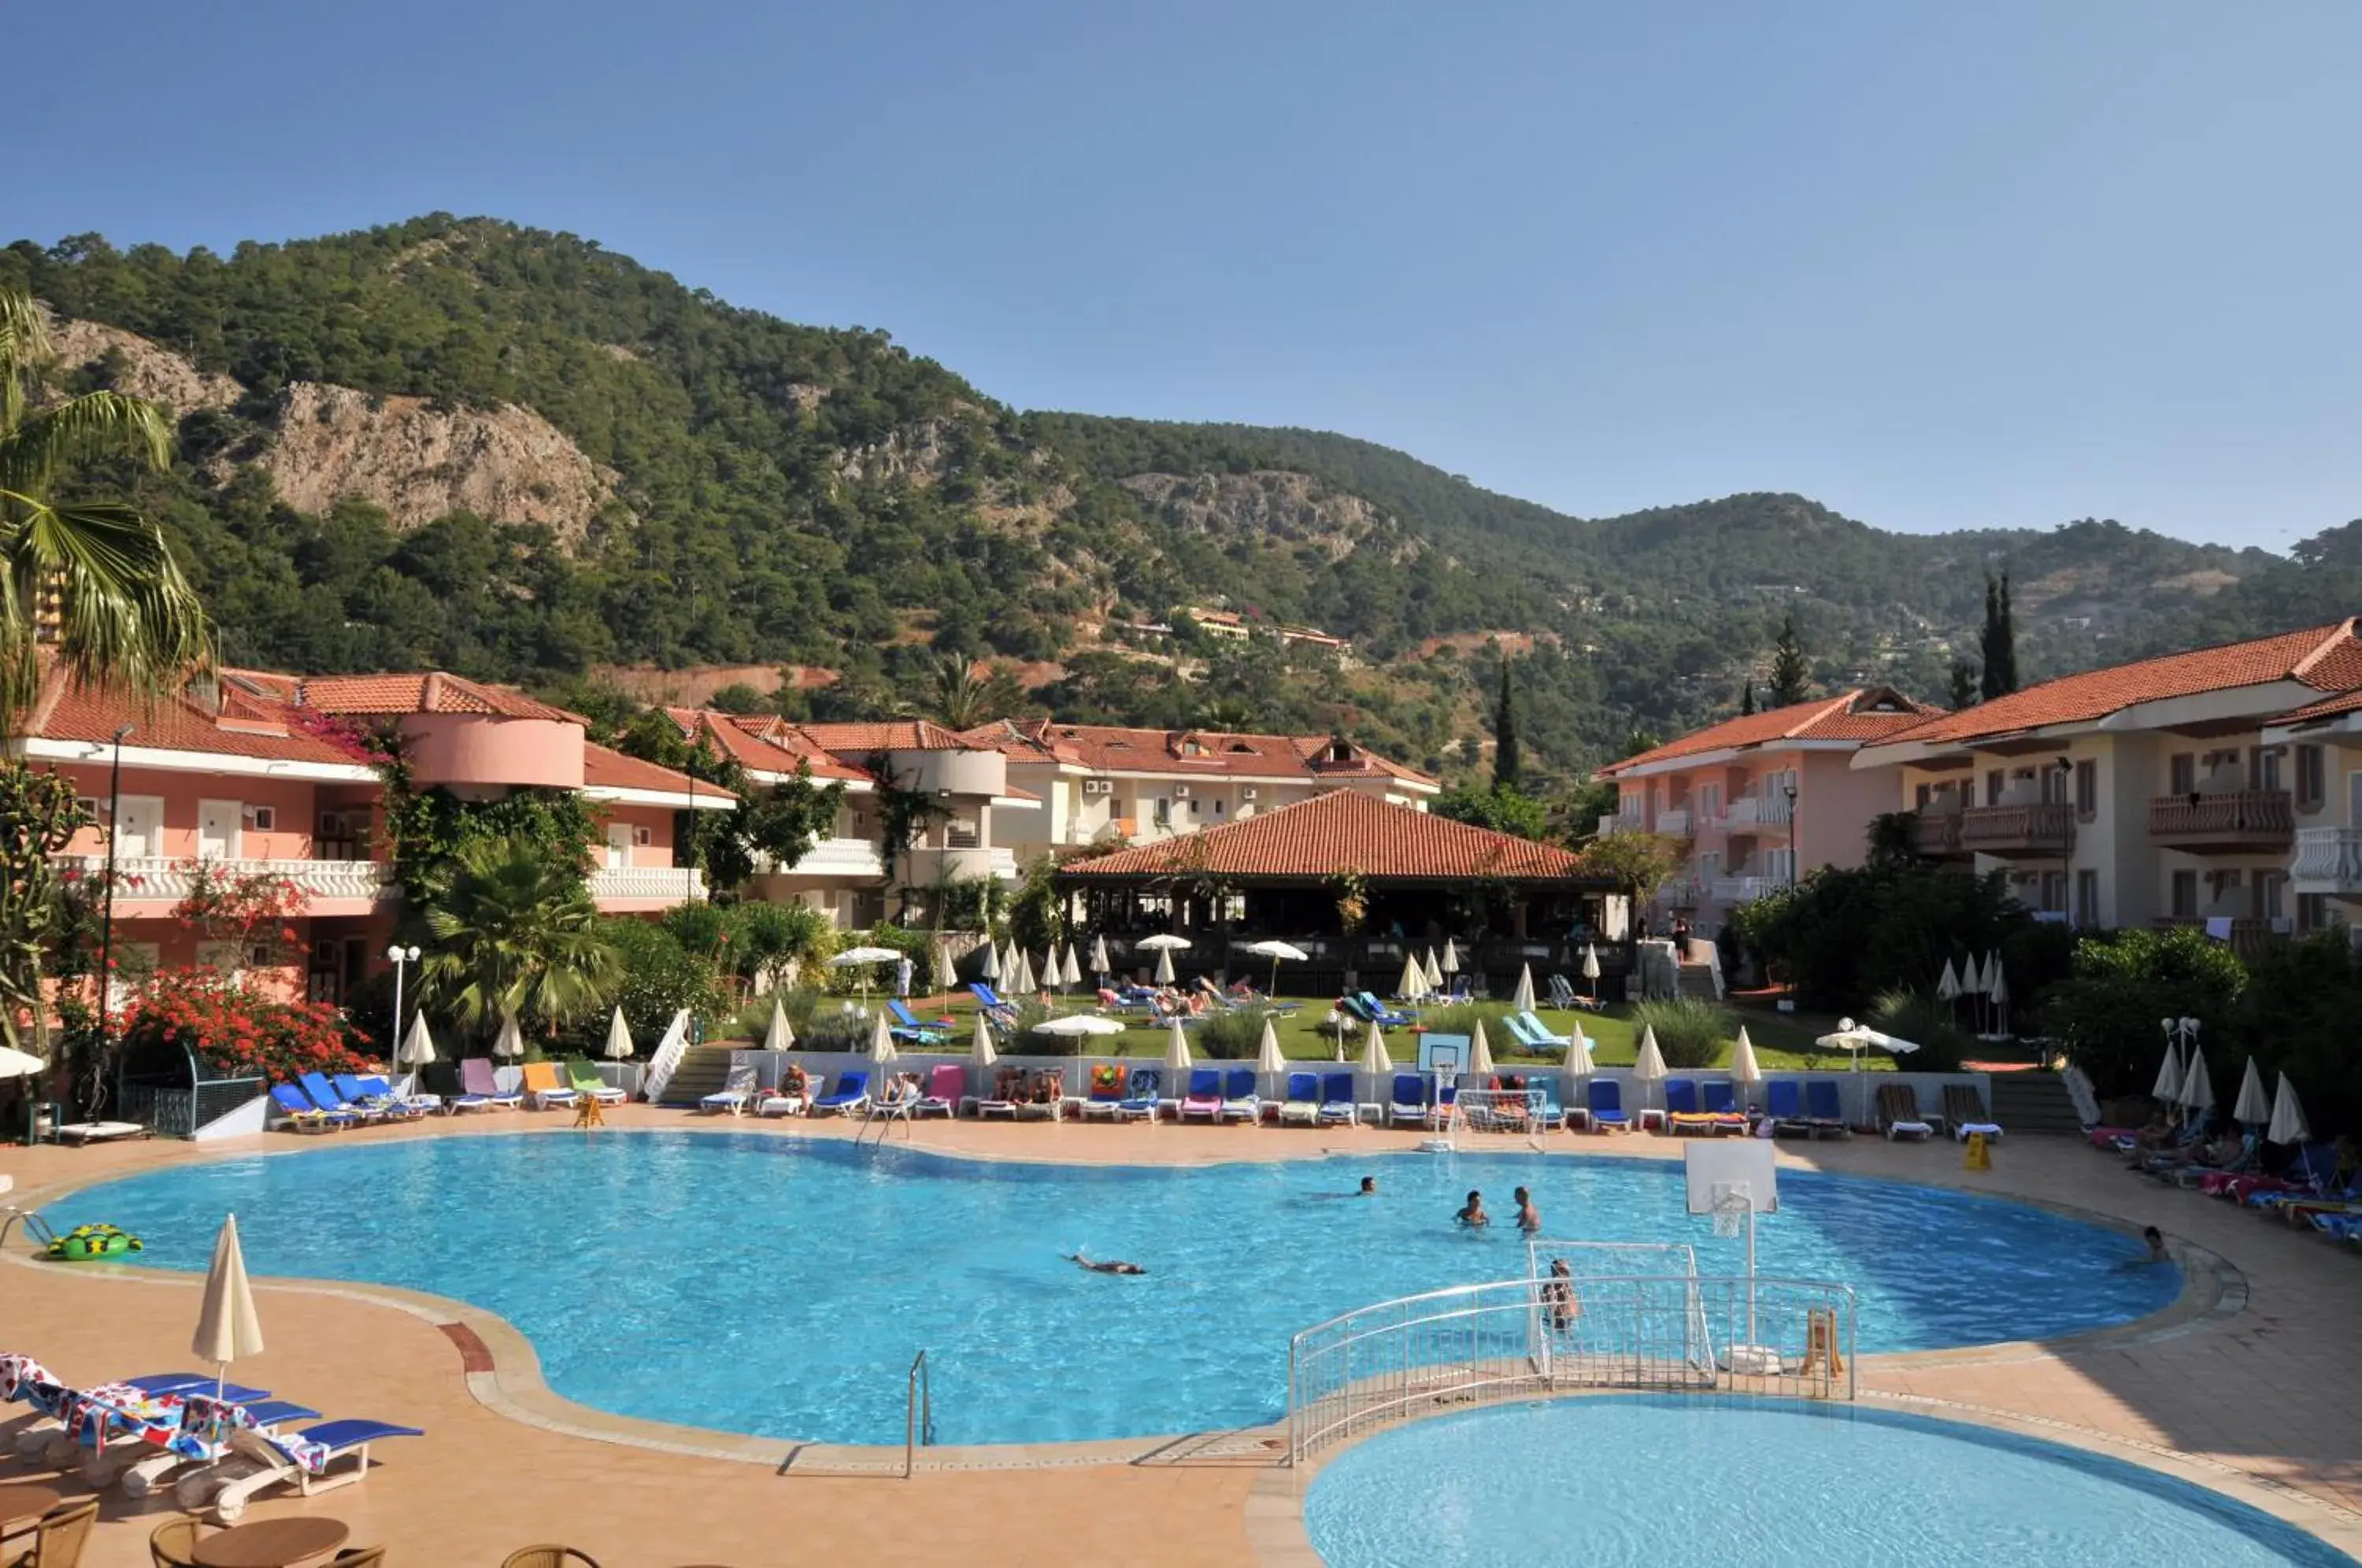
(1180, 791)
(1099, 786)
(1247, 792)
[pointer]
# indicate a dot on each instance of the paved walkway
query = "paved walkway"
(2268, 1395)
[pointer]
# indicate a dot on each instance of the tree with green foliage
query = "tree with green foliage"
(1506, 763)
(1963, 691)
(2123, 983)
(516, 934)
(1637, 863)
(1844, 935)
(1501, 808)
(657, 975)
(1747, 696)
(1792, 676)
(1998, 644)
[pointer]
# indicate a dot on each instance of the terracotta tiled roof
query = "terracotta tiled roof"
(897, 734)
(2327, 708)
(1334, 831)
(1865, 713)
(430, 692)
(247, 726)
(2328, 658)
(1112, 748)
(606, 769)
(763, 744)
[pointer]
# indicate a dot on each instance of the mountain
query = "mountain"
(514, 454)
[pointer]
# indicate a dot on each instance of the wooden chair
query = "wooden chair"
(174, 1543)
(58, 1538)
(548, 1557)
(361, 1557)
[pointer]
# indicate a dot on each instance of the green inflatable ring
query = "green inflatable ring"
(85, 1242)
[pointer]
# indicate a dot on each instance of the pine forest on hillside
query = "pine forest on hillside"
(723, 488)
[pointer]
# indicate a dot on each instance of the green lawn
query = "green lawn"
(1782, 1041)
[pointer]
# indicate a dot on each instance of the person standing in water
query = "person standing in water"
(1474, 1216)
(1529, 1219)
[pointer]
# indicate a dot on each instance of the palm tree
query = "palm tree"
(964, 698)
(122, 614)
(516, 933)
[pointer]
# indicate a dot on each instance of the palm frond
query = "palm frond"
(126, 616)
(24, 346)
(35, 447)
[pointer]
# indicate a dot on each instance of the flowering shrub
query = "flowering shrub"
(253, 911)
(235, 1030)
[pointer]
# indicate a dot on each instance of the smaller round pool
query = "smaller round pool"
(1654, 1479)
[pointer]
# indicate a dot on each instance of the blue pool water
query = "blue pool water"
(1636, 1479)
(781, 1287)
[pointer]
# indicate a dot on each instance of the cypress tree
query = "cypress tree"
(1506, 764)
(1747, 696)
(1964, 685)
(1998, 646)
(2008, 639)
(1791, 677)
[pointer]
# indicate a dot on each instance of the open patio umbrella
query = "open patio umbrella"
(229, 1329)
(1165, 941)
(1650, 1066)
(2289, 1125)
(782, 1035)
(1099, 965)
(862, 959)
(619, 1037)
(979, 1045)
(1165, 965)
(15, 1064)
(2167, 1090)
(510, 1043)
(1591, 968)
(1522, 998)
(2197, 1084)
(1414, 978)
(1854, 1038)
(2254, 1107)
(1480, 1052)
(1276, 951)
(1075, 1025)
(1176, 1058)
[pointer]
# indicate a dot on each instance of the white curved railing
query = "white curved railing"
(680, 883)
(1517, 1339)
(151, 877)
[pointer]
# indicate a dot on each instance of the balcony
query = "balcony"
(1681, 893)
(1937, 835)
(2328, 860)
(2230, 821)
(924, 867)
(1614, 821)
(2245, 935)
(1745, 889)
(645, 886)
(2045, 830)
(358, 883)
(833, 859)
(1675, 824)
(1752, 813)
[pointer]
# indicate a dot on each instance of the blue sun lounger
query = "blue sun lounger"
(1240, 1101)
(851, 1094)
(317, 1459)
(1604, 1100)
(1823, 1109)
(907, 1026)
(1140, 1102)
(1337, 1102)
(325, 1096)
(1205, 1095)
(302, 1114)
(1303, 1102)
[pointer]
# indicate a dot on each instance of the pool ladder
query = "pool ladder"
(919, 1425)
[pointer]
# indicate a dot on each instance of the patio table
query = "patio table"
(271, 1543)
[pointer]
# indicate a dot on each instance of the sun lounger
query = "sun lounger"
(1682, 1112)
(1541, 1103)
(1534, 1034)
(584, 1079)
(1103, 1101)
(730, 1100)
(317, 1459)
(302, 1115)
(1561, 993)
(1719, 1098)
(1964, 1109)
(1898, 1113)
(1604, 1105)
(1044, 1099)
(851, 1093)
(1205, 1095)
(481, 1090)
(1302, 1106)
(1140, 1102)
(1008, 1089)
(542, 1088)
(1337, 1102)
(1240, 1101)
(907, 1026)
(1407, 1101)
(200, 1438)
(375, 1094)
(947, 1086)
(324, 1095)
(1783, 1104)
(104, 1428)
(1823, 1111)
(1384, 1016)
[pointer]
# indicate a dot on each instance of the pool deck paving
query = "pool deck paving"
(2250, 1387)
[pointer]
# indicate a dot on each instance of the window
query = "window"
(1218, 806)
(2053, 784)
(2222, 887)
(266, 818)
(2181, 770)
(1921, 796)
(2185, 895)
(2264, 770)
(1164, 816)
(1992, 786)
(2271, 899)
(2311, 778)
(2087, 788)
(2311, 912)
(2054, 891)
(1709, 798)
(2087, 897)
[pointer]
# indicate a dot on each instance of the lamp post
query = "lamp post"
(690, 894)
(106, 925)
(1795, 840)
(399, 957)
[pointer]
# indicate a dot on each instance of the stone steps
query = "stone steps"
(2034, 1102)
(701, 1071)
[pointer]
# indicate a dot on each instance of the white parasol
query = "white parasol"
(1591, 967)
(1177, 1054)
(1269, 1062)
(510, 1043)
(1376, 1059)
(1650, 1064)
(2254, 1106)
(1414, 978)
(989, 967)
(1165, 965)
(862, 959)
(1522, 998)
(1451, 957)
(1163, 940)
(2289, 1125)
(1073, 972)
(1578, 1052)
(2197, 1084)
(619, 1037)
(1099, 965)
(2167, 1087)
(881, 1041)
(1480, 1050)
(1947, 986)
(1075, 1025)
(1743, 1069)
(1434, 974)
(15, 1064)
(1021, 982)
(1276, 951)
(980, 1048)
(229, 1329)
(781, 1036)
(418, 1046)
(942, 974)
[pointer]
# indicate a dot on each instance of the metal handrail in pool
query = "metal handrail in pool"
(1725, 1334)
(919, 1423)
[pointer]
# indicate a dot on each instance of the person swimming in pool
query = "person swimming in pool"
(1529, 1219)
(1369, 1187)
(1474, 1216)
(1107, 1266)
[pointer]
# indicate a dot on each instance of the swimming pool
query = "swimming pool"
(1638, 1478)
(780, 1287)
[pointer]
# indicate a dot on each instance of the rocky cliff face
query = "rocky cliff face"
(507, 464)
(1282, 506)
(140, 369)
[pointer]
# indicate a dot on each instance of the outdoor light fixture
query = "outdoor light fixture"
(399, 957)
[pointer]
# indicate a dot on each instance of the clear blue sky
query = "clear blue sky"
(2011, 263)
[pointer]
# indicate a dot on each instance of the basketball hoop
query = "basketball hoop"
(1732, 1206)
